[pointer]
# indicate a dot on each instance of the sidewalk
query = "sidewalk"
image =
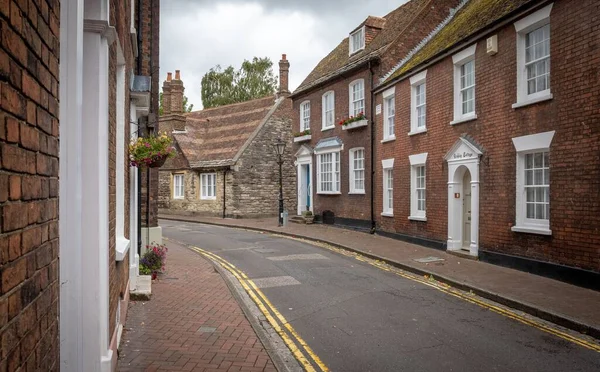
(192, 323)
(564, 304)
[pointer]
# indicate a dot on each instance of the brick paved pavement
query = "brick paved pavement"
(165, 334)
(559, 302)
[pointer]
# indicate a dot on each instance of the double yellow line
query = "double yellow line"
(274, 317)
(469, 297)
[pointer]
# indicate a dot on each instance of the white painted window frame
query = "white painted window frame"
(459, 60)
(389, 112)
(178, 176)
(416, 161)
(523, 26)
(524, 145)
(204, 177)
(325, 110)
(351, 100)
(352, 47)
(387, 166)
(352, 170)
(336, 152)
(416, 81)
(304, 116)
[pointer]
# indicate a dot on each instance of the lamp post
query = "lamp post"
(279, 148)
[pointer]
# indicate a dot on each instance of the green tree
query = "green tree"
(254, 79)
(186, 107)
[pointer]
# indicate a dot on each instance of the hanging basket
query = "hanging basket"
(159, 162)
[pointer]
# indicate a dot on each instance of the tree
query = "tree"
(255, 79)
(186, 107)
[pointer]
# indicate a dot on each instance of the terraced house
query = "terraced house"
(333, 112)
(487, 140)
(75, 85)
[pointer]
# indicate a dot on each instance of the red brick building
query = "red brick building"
(487, 141)
(83, 108)
(334, 162)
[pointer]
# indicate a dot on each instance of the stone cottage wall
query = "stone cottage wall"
(256, 179)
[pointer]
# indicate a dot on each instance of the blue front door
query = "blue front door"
(307, 177)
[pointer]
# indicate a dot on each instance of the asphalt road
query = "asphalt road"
(359, 318)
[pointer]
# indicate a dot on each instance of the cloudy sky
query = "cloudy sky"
(199, 34)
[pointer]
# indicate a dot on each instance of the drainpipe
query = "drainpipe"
(224, 192)
(372, 119)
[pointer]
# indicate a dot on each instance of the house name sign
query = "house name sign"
(463, 155)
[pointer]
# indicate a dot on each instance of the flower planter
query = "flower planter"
(306, 137)
(158, 162)
(355, 124)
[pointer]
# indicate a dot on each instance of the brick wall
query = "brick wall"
(575, 165)
(29, 52)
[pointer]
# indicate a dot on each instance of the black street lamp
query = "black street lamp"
(279, 148)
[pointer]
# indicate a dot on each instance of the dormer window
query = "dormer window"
(357, 40)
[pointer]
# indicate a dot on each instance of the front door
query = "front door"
(466, 211)
(307, 183)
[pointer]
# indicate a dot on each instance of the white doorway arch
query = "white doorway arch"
(463, 196)
(304, 178)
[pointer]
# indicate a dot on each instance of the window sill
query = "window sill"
(387, 214)
(463, 119)
(208, 198)
(531, 101)
(355, 124)
(121, 247)
(532, 230)
(326, 129)
(389, 139)
(178, 198)
(418, 131)
(417, 218)
(329, 193)
(306, 137)
(356, 193)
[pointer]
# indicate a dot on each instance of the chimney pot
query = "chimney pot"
(177, 75)
(283, 56)
(169, 76)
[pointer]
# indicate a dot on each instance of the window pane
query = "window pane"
(530, 210)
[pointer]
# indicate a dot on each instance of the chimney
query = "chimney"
(166, 98)
(284, 69)
(177, 94)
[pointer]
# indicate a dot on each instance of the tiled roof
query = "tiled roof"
(338, 61)
(215, 136)
(473, 17)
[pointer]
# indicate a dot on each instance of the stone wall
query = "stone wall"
(256, 179)
(29, 149)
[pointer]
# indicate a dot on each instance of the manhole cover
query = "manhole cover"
(429, 259)
(204, 329)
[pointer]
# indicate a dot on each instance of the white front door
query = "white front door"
(466, 211)
(304, 177)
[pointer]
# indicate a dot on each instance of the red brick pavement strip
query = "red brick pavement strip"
(163, 334)
(567, 305)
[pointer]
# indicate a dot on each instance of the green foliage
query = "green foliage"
(255, 79)
(186, 107)
(145, 150)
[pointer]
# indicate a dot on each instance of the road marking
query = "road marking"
(275, 281)
(298, 257)
(271, 313)
(443, 287)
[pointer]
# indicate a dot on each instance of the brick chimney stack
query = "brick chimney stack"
(284, 70)
(177, 94)
(166, 98)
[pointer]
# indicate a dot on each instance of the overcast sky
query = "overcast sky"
(196, 35)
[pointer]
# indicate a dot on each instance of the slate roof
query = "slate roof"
(473, 17)
(338, 61)
(215, 136)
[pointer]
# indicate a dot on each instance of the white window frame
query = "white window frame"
(204, 177)
(459, 60)
(389, 115)
(354, 48)
(176, 194)
(352, 170)
(416, 81)
(351, 111)
(524, 26)
(416, 161)
(304, 116)
(336, 177)
(387, 166)
(527, 145)
(325, 110)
